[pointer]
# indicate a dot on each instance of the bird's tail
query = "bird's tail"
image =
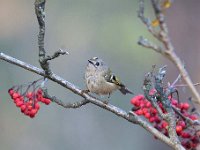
(124, 90)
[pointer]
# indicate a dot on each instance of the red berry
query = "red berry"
(164, 124)
(174, 102)
(136, 100)
(185, 106)
(186, 114)
(39, 97)
(161, 106)
(17, 100)
(147, 115)
(47, 101)
(194, 145)
(37, 106)
(42, 99)
(39, 91)
(151, 119)
(148, 104)
(21, 98)
(23, 107)
(181, 123)
(29, 107)
(19, 103)
(33, 113)
(139, 112)
(181, 106)
(183, 143)
(152, 92)
(15, 95)
(30, 102)
(142, 104)
(31, 116)
(145, 110)
(195, 139)
(27, 112)
(153, 111)
(11, 92)
(29, 95)
(185, 135)
(157, 119)
(188, 145)
(193, 117)
(179, 129)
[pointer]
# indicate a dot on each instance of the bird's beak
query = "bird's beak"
(90, 61)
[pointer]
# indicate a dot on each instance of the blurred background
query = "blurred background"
(108, 29)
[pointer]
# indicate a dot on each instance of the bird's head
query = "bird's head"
(96, 63)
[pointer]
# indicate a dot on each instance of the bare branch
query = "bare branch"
(146, 43)
(39, 11)
(169, 51)
(185, 85)
(61, 103)
(21, 64)
(146, 21)
(175, 81)
(43, 59)
(56, 54)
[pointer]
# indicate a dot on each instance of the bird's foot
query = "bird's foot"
(85, 91)
(105, 101)
(109, 95)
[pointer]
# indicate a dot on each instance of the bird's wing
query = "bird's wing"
(112, 78)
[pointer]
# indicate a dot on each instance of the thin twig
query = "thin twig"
(146, 21)
(56, 54)
(54, 99)
(146, 43)
(186, 85)
(175, 81)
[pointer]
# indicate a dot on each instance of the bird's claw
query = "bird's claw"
(85, 91)
(106, 102)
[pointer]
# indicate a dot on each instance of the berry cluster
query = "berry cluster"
(29, 101)
(188, 135)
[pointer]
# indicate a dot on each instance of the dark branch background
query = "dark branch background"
(108, 29)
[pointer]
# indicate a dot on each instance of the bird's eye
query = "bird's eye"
(97, 64)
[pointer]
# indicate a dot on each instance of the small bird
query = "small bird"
(100, 80)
